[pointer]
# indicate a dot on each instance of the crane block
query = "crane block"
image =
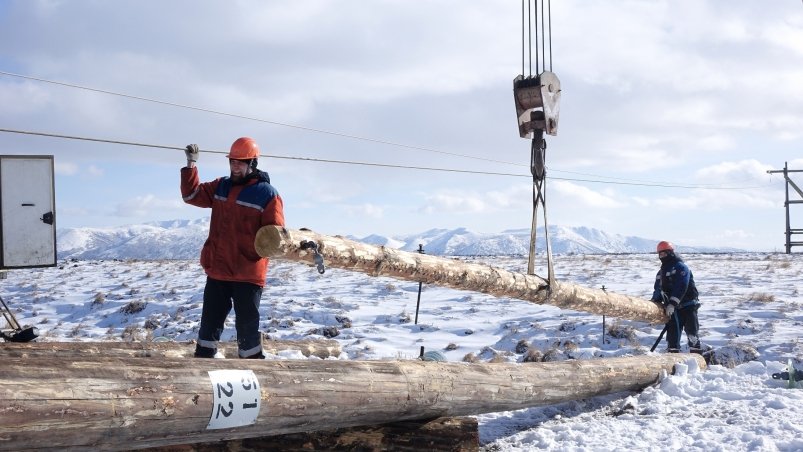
(537, 103)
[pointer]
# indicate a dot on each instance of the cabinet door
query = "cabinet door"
(28, 228)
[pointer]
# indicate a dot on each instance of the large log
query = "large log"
(338, 252)
(452, 434)
(107, 403)
(321, 348)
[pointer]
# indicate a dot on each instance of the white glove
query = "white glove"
(192, 152)
(669, 309)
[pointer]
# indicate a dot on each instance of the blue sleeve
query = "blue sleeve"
(680, 282)
(656, 293)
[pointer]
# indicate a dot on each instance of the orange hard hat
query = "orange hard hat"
(244, 148)
(664, 246)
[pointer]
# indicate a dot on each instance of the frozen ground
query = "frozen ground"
(750, 302)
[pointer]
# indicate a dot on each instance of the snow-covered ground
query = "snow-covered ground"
(751, 302)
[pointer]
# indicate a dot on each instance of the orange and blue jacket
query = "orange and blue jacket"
(238, 212)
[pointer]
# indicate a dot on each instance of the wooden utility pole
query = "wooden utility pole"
(321, 348)
(789, 182)
(307, 246)
(445, 434)
(114, 403)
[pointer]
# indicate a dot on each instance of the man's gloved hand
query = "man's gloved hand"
(192, 152)
(669, 309)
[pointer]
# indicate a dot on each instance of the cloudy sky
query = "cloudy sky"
(671, 111)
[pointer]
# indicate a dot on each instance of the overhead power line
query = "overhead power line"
(374, 164)
(604, 179)
(251, 118)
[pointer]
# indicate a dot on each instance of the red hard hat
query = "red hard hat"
(665, 246)
(244, 148)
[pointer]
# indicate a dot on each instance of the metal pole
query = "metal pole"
(604, 341)
(418, 302)
(786, 204)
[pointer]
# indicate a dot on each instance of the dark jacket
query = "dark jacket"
(238, 212)
(675, 279)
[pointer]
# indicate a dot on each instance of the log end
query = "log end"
(269, 239)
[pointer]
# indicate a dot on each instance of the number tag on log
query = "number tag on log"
(236, 398)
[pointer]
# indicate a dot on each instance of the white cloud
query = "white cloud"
(794, 164)
(640, 201)
(583, 196)
(365, 210)
(715, 143)
(456, 201)
(65, 168)
(141, 206)
(716, 200)
(788, 36)
(21, 98)
(94, 171)
(741, 172)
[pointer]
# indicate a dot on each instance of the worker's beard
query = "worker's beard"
(237, 179)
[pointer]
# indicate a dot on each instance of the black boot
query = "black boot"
(204, 352)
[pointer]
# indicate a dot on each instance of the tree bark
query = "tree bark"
(322, 348)
(97, 402)
(452, 434)
(338, 252)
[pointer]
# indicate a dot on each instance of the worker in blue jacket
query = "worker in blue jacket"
(676, 291)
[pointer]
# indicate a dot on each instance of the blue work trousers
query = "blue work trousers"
(219, 298)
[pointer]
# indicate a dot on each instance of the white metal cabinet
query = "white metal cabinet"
(27, 203)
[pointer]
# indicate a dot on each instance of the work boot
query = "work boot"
(204, 352)
(673, 350)
(705, 350)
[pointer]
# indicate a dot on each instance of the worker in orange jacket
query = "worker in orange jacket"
(241, 204)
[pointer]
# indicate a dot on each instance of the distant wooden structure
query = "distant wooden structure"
(790, 231)
(338, 252)
(102, 402)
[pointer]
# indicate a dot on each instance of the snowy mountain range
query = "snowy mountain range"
(183, 239)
